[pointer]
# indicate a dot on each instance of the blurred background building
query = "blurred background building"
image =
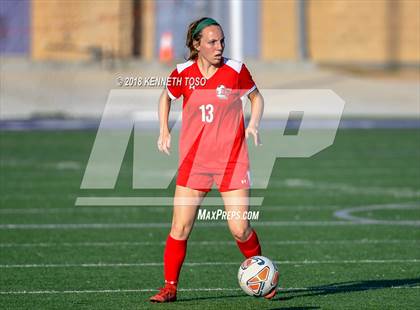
(367, 32)
(62, 58)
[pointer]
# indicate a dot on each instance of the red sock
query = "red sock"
(173, 257)
(250, 247)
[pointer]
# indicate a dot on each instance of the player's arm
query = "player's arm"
(164, 141)
(257, 110)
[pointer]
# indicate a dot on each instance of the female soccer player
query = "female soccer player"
(212, 143)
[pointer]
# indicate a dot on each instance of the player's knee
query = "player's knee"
(180, 231)
(241, 233)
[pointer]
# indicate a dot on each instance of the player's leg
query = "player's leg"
(186, 204)
(237, 201)
(246, 237)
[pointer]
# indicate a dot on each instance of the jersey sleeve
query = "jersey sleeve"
(246, 83)
(174, 85)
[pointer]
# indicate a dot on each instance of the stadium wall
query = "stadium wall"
(356, 31)
(378, 31)
(279, 30)
(14, 27)
(147, 29)
(77, 30)
(383, 32)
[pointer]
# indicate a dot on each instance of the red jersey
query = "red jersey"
(212, 136)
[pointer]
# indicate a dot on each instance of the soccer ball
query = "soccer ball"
(258, 276)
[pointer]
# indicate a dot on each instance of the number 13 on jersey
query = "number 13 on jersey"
(206, 113)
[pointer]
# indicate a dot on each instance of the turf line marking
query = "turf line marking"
(212, 289)
(345, 214)
(192, 264)
(118, 209)
(201, 224)
(199, 243)
(402, 192)
(151, 201)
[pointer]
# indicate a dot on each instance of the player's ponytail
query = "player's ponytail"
(194, 34)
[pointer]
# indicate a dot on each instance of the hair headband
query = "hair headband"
(203, 24)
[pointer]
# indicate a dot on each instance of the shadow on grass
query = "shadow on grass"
(296, 308)
(334, 288)
(239, 295)
(242, 295)
(348, 287)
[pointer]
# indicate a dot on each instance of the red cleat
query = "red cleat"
(166, 294)
(271, 294)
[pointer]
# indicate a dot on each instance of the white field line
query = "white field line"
(200, 243)
(164, 201)
(214, 224)
(209, 289)
(346, 214)
(119, 209)
(194, 264)
(137, 209)
(402, 192)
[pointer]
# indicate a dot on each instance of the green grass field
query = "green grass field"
(325, 262)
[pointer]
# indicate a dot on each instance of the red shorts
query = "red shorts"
(231, 179)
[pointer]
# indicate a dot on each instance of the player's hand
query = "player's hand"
(253, 131)
(164, 142)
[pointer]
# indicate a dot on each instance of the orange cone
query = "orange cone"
(166, 53)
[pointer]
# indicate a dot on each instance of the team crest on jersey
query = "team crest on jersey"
(222, 92)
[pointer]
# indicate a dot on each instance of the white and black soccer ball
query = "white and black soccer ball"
(258, 276)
